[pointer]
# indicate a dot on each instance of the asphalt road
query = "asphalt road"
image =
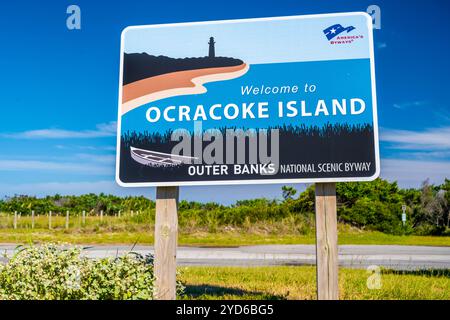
(353, 256)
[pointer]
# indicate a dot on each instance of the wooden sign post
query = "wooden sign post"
(326, 242)
(166, 233)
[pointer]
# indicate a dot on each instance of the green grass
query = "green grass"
(126, 230)
(298, 283)
(205, 239)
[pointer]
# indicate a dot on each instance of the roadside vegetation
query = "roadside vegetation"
(55, 272)
(52, 272)
(299, 283)
(368, 213)
(123, 231)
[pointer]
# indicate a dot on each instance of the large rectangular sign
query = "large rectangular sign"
(272, 100)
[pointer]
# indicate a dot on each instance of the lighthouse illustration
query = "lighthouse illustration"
(212, 51)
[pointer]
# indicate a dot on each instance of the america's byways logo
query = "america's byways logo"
(333, 32)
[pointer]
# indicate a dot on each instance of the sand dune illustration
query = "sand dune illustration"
(144, 91)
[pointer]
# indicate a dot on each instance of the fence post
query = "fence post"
(119, 213)
(101, 215)
(67, 219)
(49, 219)
(84, 217)
(15, 219)
(32, 219)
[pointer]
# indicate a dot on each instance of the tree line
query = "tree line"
(375, 205)
(91, 203)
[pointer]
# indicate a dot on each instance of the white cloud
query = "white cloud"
(102, 130)
(425, 155)
(381, 45)
(102, 158)
(409, 104)
(408, 173)
(68, 188)
(411, 173)
(90, 148)
(52, 166)
(430, 139)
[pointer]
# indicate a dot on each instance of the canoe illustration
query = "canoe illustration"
(159, 159)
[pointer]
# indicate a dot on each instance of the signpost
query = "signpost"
(326, 242)
(272, 100)
(166, 231)
(404, 214)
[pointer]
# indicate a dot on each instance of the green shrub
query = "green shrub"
(55, 272)
(375, 205)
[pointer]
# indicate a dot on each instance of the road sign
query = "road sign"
(272, 100)
(403, 214)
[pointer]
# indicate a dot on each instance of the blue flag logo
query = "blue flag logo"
(335, 30)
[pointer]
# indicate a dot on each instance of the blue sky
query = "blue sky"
(59, 90)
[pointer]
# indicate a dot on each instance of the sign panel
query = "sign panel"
(272, 100)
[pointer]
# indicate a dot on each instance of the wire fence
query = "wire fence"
(66, 220)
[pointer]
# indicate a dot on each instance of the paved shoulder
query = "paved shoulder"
(354, 256)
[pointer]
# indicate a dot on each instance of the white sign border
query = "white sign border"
(254, 181)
